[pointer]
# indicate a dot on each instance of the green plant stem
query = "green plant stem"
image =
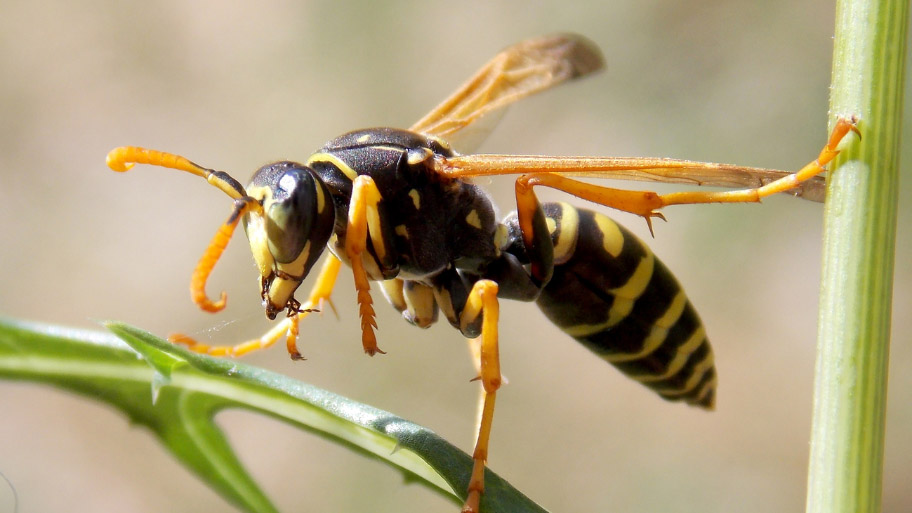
(846, 462)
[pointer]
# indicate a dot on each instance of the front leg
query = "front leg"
(363, 221)
(319, 295)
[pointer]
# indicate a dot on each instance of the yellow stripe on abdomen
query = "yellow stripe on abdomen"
(622, 303)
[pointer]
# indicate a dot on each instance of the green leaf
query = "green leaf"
(176, 394)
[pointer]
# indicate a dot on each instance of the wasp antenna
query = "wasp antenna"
(214, 252)
(122, 159)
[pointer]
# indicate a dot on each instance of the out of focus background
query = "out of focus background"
(233, 86)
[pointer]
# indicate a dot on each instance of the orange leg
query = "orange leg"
(814, 168)
(483, 300)
(363, 220)
(647, 203)
(319, 295)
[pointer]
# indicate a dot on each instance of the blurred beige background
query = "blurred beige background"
(233, 87)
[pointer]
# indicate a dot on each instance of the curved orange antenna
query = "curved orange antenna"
(124, 158)
(214, 252)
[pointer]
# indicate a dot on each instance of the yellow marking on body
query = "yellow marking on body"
(501, 237)
(259, 244)
(707, 388)
(674, 311)
(401, 231)
(321, 198)
(416, 157)
(255, 226)
(282, 289)
(262, 194)
(585, 330)
(416, 198)
(392, 289)
(639, 280)
(699, 371)
(421, 303)
(445, 303)
(296, 267)
(612, 238)
(329, 158)
(569, 233)
(682, 353)
(373, 228)
(443, 144)
(657, 334)
(624, 298)
(371, 266)
(473, 220)
(364, 138)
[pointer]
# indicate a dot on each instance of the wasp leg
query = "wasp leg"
(641, 203)
(482, 300)
(364, 220)
(319, 295)
(812, 169)
(474, 345)
(287, 326)
(646, 203)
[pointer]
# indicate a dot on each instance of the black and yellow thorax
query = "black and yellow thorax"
(427, 221)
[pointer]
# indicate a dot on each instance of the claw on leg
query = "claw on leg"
(812, 169)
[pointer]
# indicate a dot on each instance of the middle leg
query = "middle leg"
(482, 300)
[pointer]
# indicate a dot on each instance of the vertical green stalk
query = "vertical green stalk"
(846, 462)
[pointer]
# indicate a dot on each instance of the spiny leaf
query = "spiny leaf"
(194, 387)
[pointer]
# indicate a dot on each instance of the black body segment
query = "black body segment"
(430, 221)
(609, 292)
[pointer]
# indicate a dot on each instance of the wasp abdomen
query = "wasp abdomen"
(610, 293)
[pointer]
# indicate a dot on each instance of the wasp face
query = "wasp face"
(291, 233)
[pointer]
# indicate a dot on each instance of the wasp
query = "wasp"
(399, 207)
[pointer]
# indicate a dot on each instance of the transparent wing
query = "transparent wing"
(537, 64)
(525, 68)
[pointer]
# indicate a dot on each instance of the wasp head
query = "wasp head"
(290, 234)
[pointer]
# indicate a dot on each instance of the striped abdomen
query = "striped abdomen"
(611, 293)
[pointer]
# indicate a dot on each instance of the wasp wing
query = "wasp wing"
(537, 64)
(526, 68)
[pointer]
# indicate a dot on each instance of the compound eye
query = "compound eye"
(290, 214)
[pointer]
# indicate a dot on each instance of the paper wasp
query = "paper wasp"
(398, 207)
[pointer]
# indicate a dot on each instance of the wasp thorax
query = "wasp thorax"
(297, 220)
